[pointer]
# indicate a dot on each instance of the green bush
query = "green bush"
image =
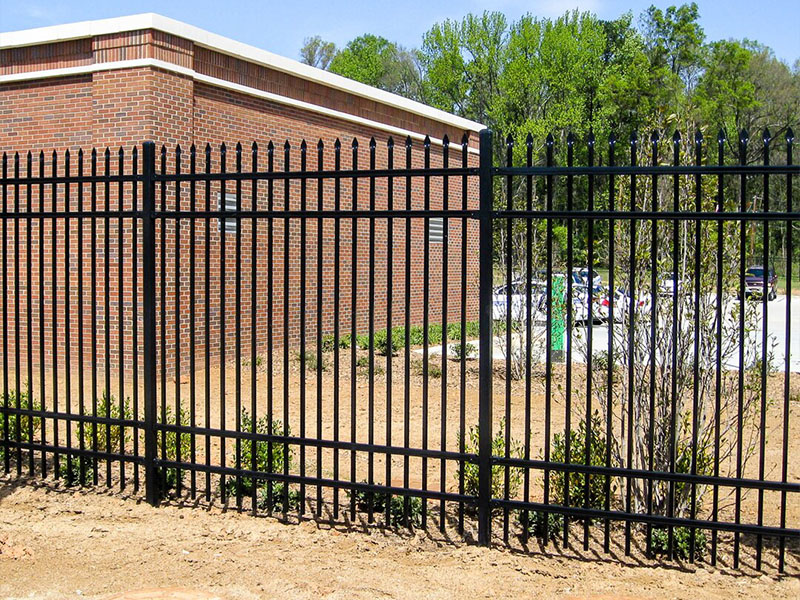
(681, 542)
(108, 436)
(471, 446)
(329, 342)
(265, 461)
(69, 469)
(169, 442)
(382, 342)
(541, 525)
(28, 424)
(311, 361)
(274, 500)
(397, 506)
(469, 352)
(559, 480)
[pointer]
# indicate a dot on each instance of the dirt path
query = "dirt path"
(67, 544)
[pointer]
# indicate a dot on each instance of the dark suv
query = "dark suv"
(754, 279)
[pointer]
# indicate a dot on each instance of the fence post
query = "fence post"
(152, 480)
(485, 364)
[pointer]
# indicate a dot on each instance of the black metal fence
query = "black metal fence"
(538, 350)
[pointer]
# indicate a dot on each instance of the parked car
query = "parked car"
(518, 298)
(622, 303)
(754, 279)
(581, 275)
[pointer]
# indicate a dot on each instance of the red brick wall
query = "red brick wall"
(121, 108)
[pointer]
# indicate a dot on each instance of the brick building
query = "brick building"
(118, 82)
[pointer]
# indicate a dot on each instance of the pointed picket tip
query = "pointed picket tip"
(445, 140)
(208, 147)
(320, 144)
(372, 142)
(254, 147)
(634, 138)
(177, 149)
(570, 138)
(390, 142)
(192, 149)
(655, 136)
(408, 141)
(529, 139)
(721, 137)
(676, 137)
(549, 140)
(464, 140)
(509, 140)
(287, 145)
(590, 140)
(303, 145)
(427, 141)
(744, 137)
(80, 152)
(766, 136)
(355, 143)
(789, 136)
(239, 147)
(612, 139)
(223, 148)
(698, 137)
(41, 154)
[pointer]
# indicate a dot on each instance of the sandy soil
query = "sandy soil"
(57, 543)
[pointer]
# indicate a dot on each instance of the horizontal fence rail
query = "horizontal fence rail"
(567, 341)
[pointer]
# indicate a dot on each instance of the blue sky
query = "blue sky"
(280, 26)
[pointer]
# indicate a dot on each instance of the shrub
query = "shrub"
(169, 443)
(29, 425)
(471, 446)
(329, 342)
(311, 361)
(559, 480)
(681, 542)
(382, 342)
(274, 500)
(540, 524)
(70, 471)
(469, 352)
(265, 461)
(397, 506)
(108, 436)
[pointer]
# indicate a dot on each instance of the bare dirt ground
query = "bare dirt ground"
(58, 543)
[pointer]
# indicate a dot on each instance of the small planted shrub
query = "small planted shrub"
(312, 361)
(170, 443)
(469, 351)
(108, 436)
(471, 446)
(382, 342)
(276, 498)
(74, 471)
(29, 425)
(681, 542)
(540, 524)
(576, 482)
(267, 460)
(398, 506)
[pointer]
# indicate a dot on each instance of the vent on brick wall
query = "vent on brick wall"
(230, 205)
(436, 230)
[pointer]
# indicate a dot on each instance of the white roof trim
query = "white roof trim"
(85, 29)
(222, 83)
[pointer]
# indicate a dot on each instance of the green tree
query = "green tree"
(317, 52)
(376, 61)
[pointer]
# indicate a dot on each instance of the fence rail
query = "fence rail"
(558, 346)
